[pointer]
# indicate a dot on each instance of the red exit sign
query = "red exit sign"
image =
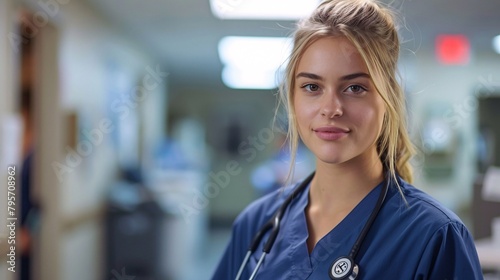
(453, 49)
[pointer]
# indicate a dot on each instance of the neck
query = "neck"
(340, 186)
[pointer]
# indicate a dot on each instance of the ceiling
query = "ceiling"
(183, 34)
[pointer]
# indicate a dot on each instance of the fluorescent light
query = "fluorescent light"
(249, 51)
(263, 9)
(249, 78)
(496, 44)
(253, 62)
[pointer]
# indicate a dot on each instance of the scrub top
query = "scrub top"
(419, 239)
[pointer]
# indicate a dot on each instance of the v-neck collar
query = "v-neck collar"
(334, 242)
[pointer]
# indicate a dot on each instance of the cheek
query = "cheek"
(370, 117)
(374, 119)
(304, 114)
(299, 121)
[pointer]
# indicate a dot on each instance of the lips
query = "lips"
(331, 133)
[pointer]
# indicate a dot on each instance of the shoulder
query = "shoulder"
(422, 204)
(261, 210)
(427, 218)
(448, 247)
(418, 215)
(246, 225)
(432, 239)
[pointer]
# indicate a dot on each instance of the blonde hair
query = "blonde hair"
(372, 30)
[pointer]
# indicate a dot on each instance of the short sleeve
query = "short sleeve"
(450, 254)
(242, 232)
(244, 228)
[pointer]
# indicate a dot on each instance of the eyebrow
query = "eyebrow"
(354, 76)
(343, 78)
(309, 75)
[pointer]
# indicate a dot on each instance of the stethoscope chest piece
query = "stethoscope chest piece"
(344, 268)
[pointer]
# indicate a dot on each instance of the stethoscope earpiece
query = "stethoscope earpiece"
(344, 268)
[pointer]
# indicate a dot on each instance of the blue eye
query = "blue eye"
(311, 87)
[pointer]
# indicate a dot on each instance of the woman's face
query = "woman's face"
(338, 110)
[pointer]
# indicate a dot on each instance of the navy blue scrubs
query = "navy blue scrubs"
(418, 240)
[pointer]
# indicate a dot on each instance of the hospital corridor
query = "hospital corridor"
(134, 133)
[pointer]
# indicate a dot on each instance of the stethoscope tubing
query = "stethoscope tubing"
(371, 219)
(273, 224)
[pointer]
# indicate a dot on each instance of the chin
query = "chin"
(332, 159)
(332, 154)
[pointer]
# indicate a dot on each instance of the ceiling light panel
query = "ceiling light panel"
(496, 44)
(253, 62)
(263, 9)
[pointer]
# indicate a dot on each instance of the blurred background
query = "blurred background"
(138, 130)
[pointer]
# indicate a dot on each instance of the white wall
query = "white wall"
(89, 44)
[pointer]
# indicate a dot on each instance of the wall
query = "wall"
(216, 109)
(97, 59)
(452, 89)
(100, 67)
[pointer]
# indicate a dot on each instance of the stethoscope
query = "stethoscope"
(342, 268)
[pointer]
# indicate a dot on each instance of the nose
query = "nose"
(332, 106)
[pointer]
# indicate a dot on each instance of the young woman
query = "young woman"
(357, 216)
